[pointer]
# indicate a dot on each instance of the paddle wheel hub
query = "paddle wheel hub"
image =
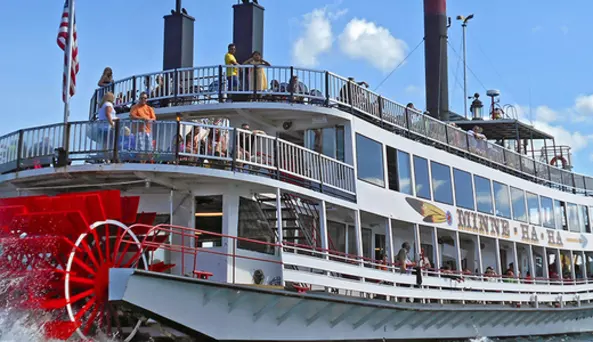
(56, 252)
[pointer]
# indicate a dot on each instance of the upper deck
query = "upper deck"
(184, 90)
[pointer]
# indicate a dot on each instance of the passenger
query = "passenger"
(479, 140)
(231, 73)
(295, 87)
(424, 261)
(245, 143)
(402, 257)
(101, 130)
(382, 263)
(107, 78)
(260, 79)
(142, 131)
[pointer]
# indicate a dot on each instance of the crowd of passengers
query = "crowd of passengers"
(423, 263)
(138, 136)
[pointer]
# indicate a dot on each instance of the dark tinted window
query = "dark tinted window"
(547, 212)
(518, 203)
(464, 190)
(483, 195)
(441, 183)
(369, 160)
(421, 180)
(560, 215)
(533, 207)
(502, 200)
(398, 171)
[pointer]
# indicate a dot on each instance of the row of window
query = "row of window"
(463, 189)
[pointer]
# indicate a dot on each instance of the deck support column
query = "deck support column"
(323, 229)
(279, 220)
(358, 234)
(389, 235)
(515, 261)
(230, 224)
(531, 263)
(479, 248)
(437, 252)
(498, 263)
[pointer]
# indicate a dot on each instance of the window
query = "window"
(441, 183)
(587, 219)
(533, 207)
(369, 160)
(518, 204)
(337, 233)
(483, 194)
(328, 141)
(252, 225)
(421, 179)
(547, 212)
(209, 218)
(351, 247)
(464, 189)
(404, 172)
(573, 217)
(560, 215)
(398, 171)
(584, 219)
(502, 200)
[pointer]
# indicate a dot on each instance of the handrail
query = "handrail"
(323, 88)
(177, 142)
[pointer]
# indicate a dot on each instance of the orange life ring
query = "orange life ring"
(562, 160)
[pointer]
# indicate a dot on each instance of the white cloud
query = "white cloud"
(584, 104)
(536, 29)
(545, 114)
(316, 39)
(364, 40)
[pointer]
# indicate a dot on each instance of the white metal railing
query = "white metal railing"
(178, 142)
(297, 85)
(366, 277)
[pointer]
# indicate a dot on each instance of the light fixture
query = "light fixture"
(216, 214)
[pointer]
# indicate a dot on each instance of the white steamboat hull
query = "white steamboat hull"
(238, 312)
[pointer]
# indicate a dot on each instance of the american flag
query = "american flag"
(63, 36)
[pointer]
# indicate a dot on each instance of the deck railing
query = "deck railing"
(176, 142)
(314, 87)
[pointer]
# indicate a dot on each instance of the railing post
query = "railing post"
(380, 104)
(254, 81)
(447, 137)
(175, 85)
(177, 135)
(320, 161)
(327, 94)
(134, 89)
(574, 183)
(66, 133)
(19, 149)
(277, 159)
(220, 84)
(115, 141)
(350, 96)
(291, 98)
(234, 142)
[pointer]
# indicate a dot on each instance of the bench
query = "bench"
(203, 274)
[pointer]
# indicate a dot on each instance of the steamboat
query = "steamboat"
(272, 203)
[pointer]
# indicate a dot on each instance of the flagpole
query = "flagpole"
(68, 56)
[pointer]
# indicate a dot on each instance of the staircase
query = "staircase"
(300, 218)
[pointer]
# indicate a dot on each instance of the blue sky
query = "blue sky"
(538, 56)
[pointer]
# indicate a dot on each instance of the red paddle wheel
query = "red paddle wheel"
(55, 256)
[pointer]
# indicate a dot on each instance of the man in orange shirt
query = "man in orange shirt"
(142, 111)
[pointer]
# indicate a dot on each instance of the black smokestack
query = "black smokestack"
(178, 51)
(248, 29)
(435, 55)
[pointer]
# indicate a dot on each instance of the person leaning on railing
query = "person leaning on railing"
(142, 111)
(260, 79)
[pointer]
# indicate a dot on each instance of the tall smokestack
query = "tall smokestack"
(435, 56)
(178, 51)
(248, 29)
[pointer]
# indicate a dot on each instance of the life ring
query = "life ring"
(562, 160)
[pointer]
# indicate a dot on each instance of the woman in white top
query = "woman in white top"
(105, 123)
